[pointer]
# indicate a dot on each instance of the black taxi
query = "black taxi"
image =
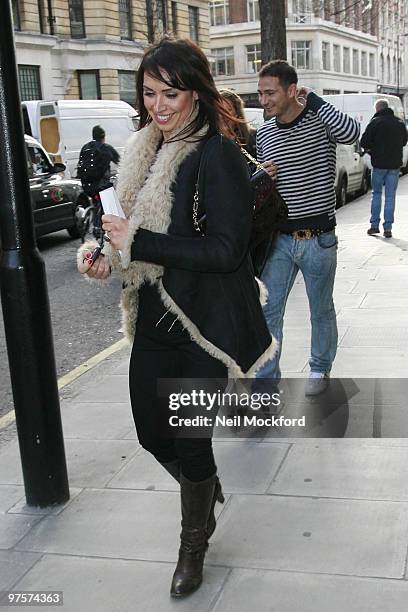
(54, 199)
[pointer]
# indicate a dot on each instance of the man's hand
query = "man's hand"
(302, 93)
(116, 229)
(270, 168)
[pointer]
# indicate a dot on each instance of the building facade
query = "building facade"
(337, 46)
(91, 49)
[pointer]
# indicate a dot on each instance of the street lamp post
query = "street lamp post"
(25, 302)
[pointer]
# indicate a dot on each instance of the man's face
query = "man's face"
(274, 98)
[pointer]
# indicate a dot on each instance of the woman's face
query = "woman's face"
(168, 107)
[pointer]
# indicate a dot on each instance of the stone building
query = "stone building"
(91, 49)
(337, 46)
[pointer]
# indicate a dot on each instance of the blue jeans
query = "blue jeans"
(388, 178)
(316, 259)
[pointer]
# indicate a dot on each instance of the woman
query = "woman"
(244, 134)
(190, 301)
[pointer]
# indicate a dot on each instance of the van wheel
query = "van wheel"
(341, 195)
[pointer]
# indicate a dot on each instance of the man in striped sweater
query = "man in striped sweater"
(298, 148)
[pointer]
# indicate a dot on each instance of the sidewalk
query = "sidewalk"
(309, 525)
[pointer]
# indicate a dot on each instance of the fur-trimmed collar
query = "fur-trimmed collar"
(144, 189)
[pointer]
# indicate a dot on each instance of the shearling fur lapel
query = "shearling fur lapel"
(144, 188)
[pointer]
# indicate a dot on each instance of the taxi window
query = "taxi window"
(39, 162)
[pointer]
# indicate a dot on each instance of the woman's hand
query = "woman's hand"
(100, 269)
(116, 230)
(270, 168)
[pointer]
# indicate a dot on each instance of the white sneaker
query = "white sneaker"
(317, 383)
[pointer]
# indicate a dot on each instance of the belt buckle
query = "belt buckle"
(304, 234)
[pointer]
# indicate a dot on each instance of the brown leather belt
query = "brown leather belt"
(305, 234)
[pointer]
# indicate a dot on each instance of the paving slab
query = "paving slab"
(13, 565)
(367, 362)
(114, 585)
(333, 536)
(385, 300)
(384, 338)
(142, 525)
(9, 495)
(13, 527)
(89, 462)
(354, 473)
(97, 421)
(377, 317)
(115, 389)
(267, 591)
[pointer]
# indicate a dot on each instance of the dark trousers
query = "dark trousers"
(165, 350)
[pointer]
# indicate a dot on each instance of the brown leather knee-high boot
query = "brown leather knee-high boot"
(196, 502)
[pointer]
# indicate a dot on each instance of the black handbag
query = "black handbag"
(269, 209)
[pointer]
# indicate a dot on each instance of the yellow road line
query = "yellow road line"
(74, 374)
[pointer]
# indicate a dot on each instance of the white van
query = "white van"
(64, 126)
(352, 173)
(361, 107)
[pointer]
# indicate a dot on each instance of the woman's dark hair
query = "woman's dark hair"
(238, 129)
(186, 68)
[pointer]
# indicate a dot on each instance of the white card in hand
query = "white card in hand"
(110, 203)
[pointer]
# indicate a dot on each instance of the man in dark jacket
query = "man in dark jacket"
(94, 170)
(384, 138)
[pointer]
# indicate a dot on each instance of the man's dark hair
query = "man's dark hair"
(98, 133)
(280, 69)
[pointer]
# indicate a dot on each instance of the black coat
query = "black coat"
(384, 138)
(211, 277)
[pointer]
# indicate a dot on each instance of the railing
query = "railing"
(300, 18)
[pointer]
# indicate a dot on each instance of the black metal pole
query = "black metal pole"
(25, 302)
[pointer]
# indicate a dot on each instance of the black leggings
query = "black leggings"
(160, 353)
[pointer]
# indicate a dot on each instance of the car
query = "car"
(55, 200)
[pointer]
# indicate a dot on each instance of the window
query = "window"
(253, 58)
(89, 86)
(301, 53)
(364, 67)
(326, 55)
(193, 22)
(29, 79)
(372, 65)
(346, 59)
(302, 11)
(127, 86)
(223, 62)
(161, 15)
(40, 6)
(253, 10)
(174, 24)
(219, 12)
(125, 19)
(76, 18)
(16, 15)
(356, 61)
(37, 162)
(331, 92)
(336, 58)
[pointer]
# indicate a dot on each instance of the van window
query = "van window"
(76, 132)
(26, 122)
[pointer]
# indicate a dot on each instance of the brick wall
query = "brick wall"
(109, 84)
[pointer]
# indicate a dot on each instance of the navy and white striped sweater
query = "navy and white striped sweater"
(305, 152)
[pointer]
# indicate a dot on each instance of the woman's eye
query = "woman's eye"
(171, 95)
(147, 93)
